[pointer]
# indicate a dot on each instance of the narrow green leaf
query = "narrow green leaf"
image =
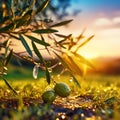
(5, 43)
(6, 28)
(37, 52)
(76, 81)
(63, 42)
(38, 41)
(25, 45)
(45, 3)
(42, 38)
(22, 21)
(27, 12)
(65, 39)
(47, 75)
(9, 86)
(59, 35)
(61, 23)
(17, 38)
(68, 67)
(75, 68)
(45, 46)
(9, 57)
(43, 31)
(32, 4)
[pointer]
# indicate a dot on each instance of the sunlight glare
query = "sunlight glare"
(90, 55)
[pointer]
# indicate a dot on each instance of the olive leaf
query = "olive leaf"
(25, 45)
(37, 52)
(6, 28)
(46, 47)
(40, 8)
(86, 41)
(9, 57)
(61, 23)
(45, 31)
(60, 35)
(68, 66)
(73, 65)
(82, 59)
(64, 41)
(9, 86)
(22, 21)
(48, 75)
(38, 41)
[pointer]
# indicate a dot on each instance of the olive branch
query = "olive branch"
(21, 22)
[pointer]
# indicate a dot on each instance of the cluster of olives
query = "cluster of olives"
(61, 89)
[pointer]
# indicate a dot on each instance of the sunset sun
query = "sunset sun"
(90, 55)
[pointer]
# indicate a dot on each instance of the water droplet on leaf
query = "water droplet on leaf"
(35, 71)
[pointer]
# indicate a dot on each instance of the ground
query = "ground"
(97, 98)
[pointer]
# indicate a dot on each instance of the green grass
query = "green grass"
(21, 73)
(101, 87)
(97, 92)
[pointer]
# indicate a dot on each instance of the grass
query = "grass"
(97, 98)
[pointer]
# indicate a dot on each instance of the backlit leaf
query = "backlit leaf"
(69, 67)
(73, 66)
(9, 86)
(6, 28)
(32, 2)
(47, 75)
(9, 57)
(61, 23)
(27, 12)
(38, 41)
(22, 21)
(60, 35)
(65, 39)
(86, 41)
(81, 59)
(42, 38)
(25, 45)
(45, 3)
(80, 36)
(45, 31)
(37, 52)
(5, 43)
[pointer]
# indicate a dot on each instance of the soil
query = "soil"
(72, 108)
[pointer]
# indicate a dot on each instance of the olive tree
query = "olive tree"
(20, 21)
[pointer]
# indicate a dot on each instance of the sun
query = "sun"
(89, 55)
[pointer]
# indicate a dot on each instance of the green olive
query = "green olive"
(62, 89)
(48, 96)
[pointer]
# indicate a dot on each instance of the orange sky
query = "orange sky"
(104, 23)
(106, 41)
(100, 18)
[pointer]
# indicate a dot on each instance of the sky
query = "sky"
(101, 18)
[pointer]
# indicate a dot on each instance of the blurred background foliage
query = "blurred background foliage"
(56, 8)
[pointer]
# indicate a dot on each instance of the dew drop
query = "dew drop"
(35, 71)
